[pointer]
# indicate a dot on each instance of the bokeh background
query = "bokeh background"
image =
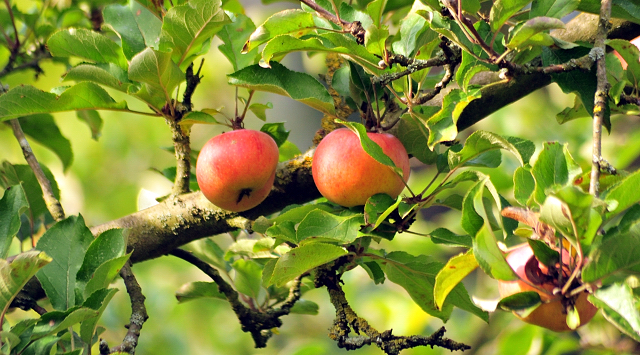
(113, 176)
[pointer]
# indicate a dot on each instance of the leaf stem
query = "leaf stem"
(53, 205)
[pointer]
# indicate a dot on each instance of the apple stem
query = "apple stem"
(238, 122)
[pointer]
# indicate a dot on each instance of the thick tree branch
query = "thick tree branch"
(157, 230)
(53, 205)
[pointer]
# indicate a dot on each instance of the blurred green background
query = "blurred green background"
(110, 176)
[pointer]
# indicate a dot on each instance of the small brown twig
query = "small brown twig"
(53, 205)
(192, 83)
(138, 311)
(355, 27)
(601, 96)
(259, 324)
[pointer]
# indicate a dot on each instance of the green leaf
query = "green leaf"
(447, 237)
(375, 39)
(414, 33)
(159, 74)
(532, 27)
(490, 257)
(98, 301)
(105, 274)
(523, 184)
(22, 174)
(502, 10)
(280, 80)
(293, 22)
(480, 142)
(370, 147)
(378, 207)
(417, 276)
(66, 243)
(200, 117)
(13, 204)
(207, 250)
(149, 22)
(618, 305)
(520, 301)
(302, 259)
(446, 27)
(260, 111)
(41, 346)
(187, 29)
(470, 64)
(581, 82)
(626, 193)
(26, 100)
(326, 227)
(9, 340)
(553, 8)
(57, 321)
(305, 307)
(123, 21)
(44, 130)
(631, 54)
(234, 35)
(624, 9)
(544, 253)
(248, 278)
(276, 131)
(555, 167)
(109, 75)
(288, 151)
(14, 275)
(93, 120)
(198, 289)
(456, 269)
(571, 204)
(442, 125)
(375, 9)
(414, 137)
(374, 271)
(618, 302)
(616, 253)
(281, 45)
(108, 245)
(86, 44)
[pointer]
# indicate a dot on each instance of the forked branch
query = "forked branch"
(259, 324)
(347, 320)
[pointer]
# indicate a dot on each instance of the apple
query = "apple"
(345, 174)
(551, 314)
(236, 170)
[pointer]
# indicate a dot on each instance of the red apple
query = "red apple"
(235, 170)
(551, 314)
(348, 176)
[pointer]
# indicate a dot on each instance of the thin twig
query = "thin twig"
(347, 319)
(355, 27)
(138, 311)
(182, 147)
(259, 324)
(54, 206)
(602, 94)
